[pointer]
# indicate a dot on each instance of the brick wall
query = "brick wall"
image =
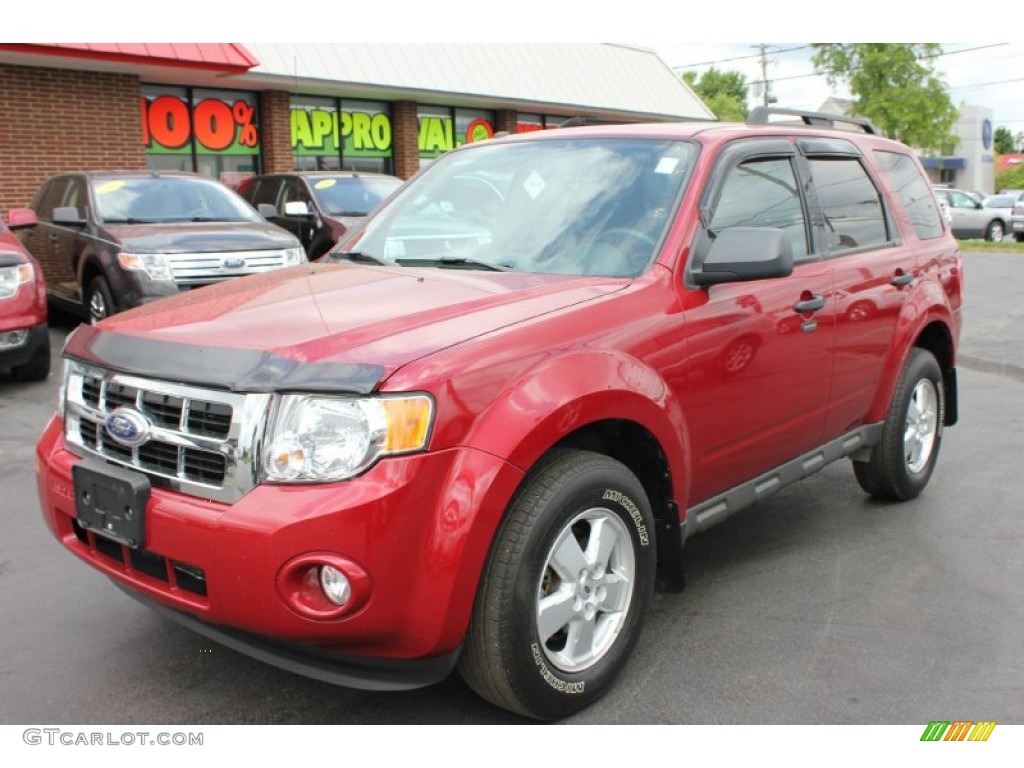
(55, 120)
(275, 142)
(405, 140)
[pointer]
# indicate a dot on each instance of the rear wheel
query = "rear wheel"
(995, 232)
(902, 463)
(565, 590)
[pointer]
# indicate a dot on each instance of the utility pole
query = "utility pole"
(766, 86)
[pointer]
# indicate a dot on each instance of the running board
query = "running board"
(725, 505)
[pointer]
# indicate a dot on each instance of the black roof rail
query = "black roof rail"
(582, 120)
(761, 115)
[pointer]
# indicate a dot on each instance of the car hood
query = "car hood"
(350, 325)
(201, 237)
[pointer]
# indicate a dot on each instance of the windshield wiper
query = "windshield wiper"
(458, 262)
(359, 257)
(130, 220)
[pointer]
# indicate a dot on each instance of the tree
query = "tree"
(724, 92)
(1004, 141)
(896, 87)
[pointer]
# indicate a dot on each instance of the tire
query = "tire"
(99, 301)
(566, 586)
(902, 463)
(37, 368)
(1019, 238)
(995, 232)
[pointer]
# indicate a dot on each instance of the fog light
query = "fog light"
(12, 339)
(335, 585)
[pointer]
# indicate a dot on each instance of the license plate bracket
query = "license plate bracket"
(111, 501)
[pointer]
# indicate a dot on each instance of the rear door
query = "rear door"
(873, 269)
(760, 352)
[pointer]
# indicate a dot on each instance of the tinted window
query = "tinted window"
(153, 199)
(909, 184)
(850, 202)
(49, 197)
(763, 193)
(265, 192)
(353, 196)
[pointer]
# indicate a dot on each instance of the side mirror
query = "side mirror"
(68, 215)
(746, 253)
(267, 211)
(297, 208)
(21, 218)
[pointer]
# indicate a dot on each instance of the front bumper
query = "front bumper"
(38, 336)
(420, 526)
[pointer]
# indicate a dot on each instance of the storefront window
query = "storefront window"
(443, 129)
(526, 122)
(331, 135)
(215, 133)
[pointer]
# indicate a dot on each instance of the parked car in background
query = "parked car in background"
(1017, 217)
(24, 335)
(108, 241)
(971, 219)
(318, 207)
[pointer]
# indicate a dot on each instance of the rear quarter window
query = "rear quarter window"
(905, 179)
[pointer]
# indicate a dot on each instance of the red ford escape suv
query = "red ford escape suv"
(483, 450)
(24, 335)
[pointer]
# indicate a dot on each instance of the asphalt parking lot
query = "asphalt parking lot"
(817, 607)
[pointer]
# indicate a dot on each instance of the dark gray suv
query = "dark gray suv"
(109, 241)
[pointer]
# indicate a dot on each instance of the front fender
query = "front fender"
(564, 393)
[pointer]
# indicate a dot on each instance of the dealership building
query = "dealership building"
(230, 110)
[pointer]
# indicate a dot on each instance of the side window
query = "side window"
(75, 196)
(960, 200)
(50, 197)
(763, 193)
(906, 180)
(292, 192)
(266, 192)
(853, 209)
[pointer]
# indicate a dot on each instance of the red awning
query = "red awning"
(220, 57)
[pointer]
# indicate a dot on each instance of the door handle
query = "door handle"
(812, 304)
(903, 278)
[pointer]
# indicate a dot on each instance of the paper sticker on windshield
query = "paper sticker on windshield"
(110, 186)
(667, 165)
(534, 185)
(325, 183)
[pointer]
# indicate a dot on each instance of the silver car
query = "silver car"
(972, 219)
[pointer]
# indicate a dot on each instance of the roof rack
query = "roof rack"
(761, 115)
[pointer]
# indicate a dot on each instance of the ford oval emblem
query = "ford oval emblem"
(232, 262)
(127, 427)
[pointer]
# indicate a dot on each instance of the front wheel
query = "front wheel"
(902, 463)
(99, 301)
(566, 587)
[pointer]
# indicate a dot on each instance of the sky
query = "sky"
(975, 73)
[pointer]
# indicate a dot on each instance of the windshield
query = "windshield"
(582, 206)
(352, 195)
(157, 199)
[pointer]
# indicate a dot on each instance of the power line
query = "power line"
(738, 58)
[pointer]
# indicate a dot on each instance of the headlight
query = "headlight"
(153, 264)
(317, 438)
(293, 256)
(11, 278)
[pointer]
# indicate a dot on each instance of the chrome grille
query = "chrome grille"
(202, 442)
(203, 268)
